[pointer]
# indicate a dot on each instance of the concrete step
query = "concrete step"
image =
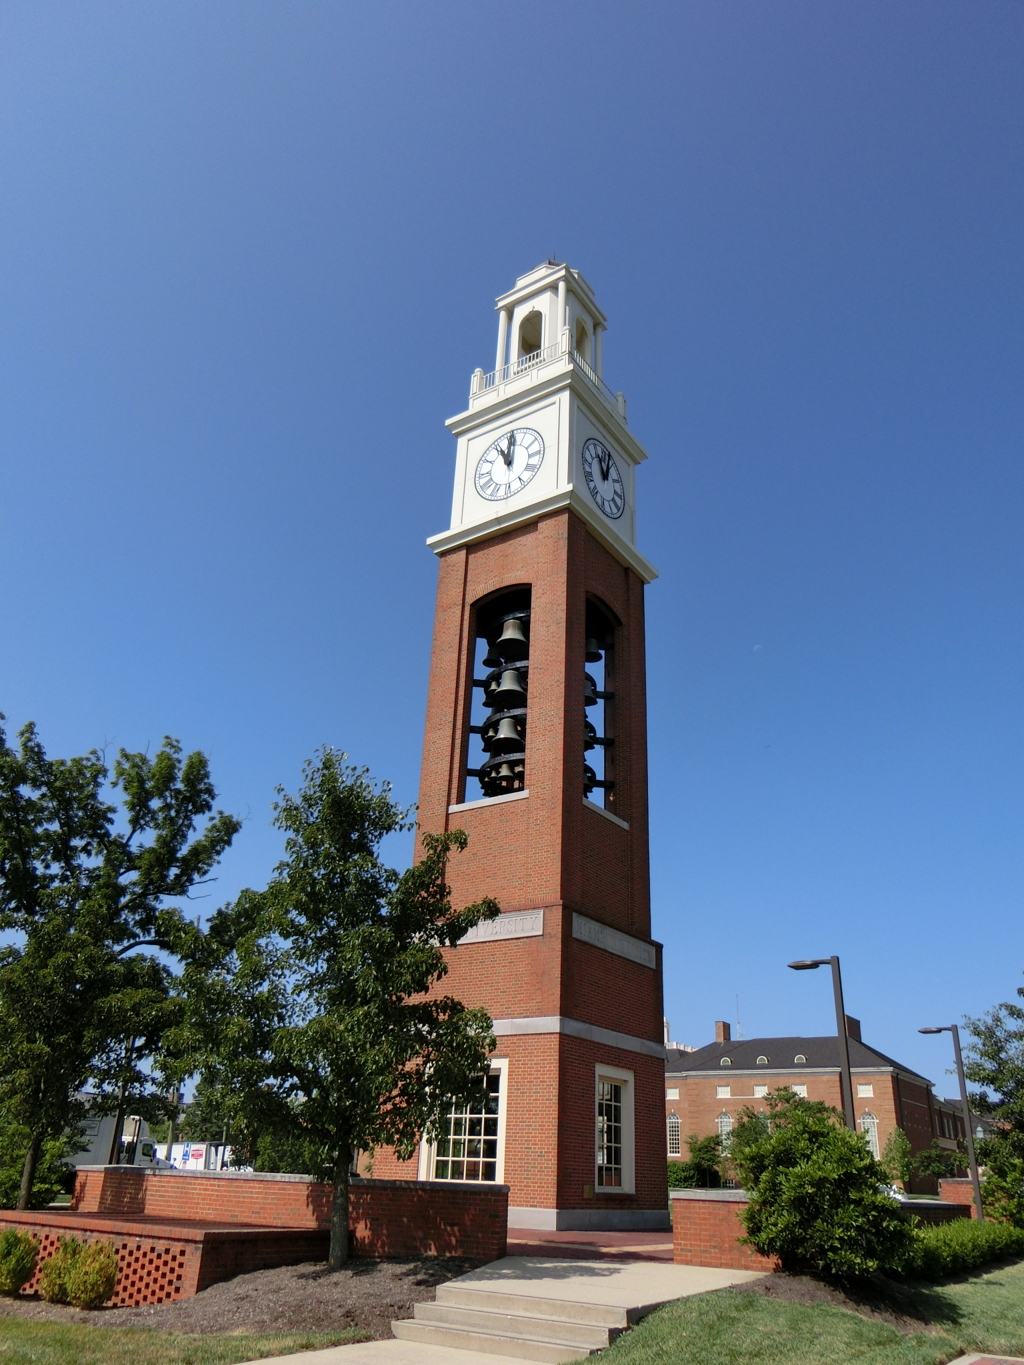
(532, 1306)
(489, 1343)
(586, 1336)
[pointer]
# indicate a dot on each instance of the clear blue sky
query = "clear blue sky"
(248, 256)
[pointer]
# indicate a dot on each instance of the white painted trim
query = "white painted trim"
(426, 1157)
(628, 1082)
(567, 497)
(615, 819)
(575, 1028)
(611, 940)
(488, 801)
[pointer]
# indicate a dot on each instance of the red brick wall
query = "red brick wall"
(386, 1218)
(958, 1192)
(550, 851)
(705, 1232)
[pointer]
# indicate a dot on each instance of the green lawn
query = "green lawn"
(49, 1343)
(985, 1313)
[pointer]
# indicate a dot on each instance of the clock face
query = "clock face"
(603, 478)
(509, 463)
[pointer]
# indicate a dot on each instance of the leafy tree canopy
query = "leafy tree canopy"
(84, 884)
(313, 1012)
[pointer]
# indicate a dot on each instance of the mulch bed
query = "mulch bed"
(367, 1295)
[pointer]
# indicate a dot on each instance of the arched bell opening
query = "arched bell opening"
(500, 702)
(582, 340)
(531, 335)
(599, 704)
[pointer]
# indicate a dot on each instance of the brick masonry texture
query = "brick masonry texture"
(897, 1102)
(178, 1232)
(550, 851)
(705, 1232)
(959, 1192)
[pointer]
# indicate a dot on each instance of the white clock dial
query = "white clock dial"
(509, 463)
(603, 478)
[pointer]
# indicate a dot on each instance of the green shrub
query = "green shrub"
(18, 1255)
(814, 1190)
(79, 1274)
(953, 1248)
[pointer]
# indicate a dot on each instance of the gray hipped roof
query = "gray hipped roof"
(743, 1053)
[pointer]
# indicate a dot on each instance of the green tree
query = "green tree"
(898, 1158)
(312, 1007)
(813, 1186)
(995, 1062)
(85, 884)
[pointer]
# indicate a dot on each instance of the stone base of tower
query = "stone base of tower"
(563, 1097)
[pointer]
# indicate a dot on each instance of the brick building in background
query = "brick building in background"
(706, 1089)
(536, 745)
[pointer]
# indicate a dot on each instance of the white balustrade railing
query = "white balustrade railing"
(534, 359)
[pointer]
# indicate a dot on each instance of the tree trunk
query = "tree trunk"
(28, 1171)
(338, 1254)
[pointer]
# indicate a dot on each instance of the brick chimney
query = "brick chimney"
(853, 1028)
(723, 1031)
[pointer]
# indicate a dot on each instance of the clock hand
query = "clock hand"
(507, 454)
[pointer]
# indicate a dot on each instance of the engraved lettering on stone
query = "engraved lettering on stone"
(527, 924)
(612, 941)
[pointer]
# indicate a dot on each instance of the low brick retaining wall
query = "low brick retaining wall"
(707, 1223)
(177, 1232)
(958, 1192)
(705, 1228)
(162, 1261)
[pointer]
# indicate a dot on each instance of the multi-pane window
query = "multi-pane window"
(609, 1134)
(675, 1142)
(869, 1127)
(725, 1130)
(865, 1091)
(468, 1149)
(760, 1092)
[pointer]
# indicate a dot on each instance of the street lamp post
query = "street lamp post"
(975, 1178)
(844, 1045)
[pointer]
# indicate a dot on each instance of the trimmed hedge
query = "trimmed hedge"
(18, 1255)
(952, 1248)
(79, 1273)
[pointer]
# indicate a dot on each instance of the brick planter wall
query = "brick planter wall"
(705, 1228)
(958, 1192)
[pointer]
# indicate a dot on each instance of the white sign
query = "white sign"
(521, 924)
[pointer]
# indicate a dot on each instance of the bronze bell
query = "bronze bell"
(507, 740)
(511, 644)
(589, 736)
(589, 690)
(492, 658)
(592, 651)
(589, 778)
(510, 691)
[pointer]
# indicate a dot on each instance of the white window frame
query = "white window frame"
(428, 1150)
(627, 1080)
(678, 1134)
(723, 1092)
(865, 1090)
(868, 1125)
(799, 1090)
(672, 1092)
(760, 1092)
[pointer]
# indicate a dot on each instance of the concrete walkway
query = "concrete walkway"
(634, 1287)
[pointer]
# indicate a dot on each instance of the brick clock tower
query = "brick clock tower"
(536, 745)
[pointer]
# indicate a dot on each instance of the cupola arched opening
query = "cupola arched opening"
(582, 339)
(531, 334)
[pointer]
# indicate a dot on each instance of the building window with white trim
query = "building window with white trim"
(725, 1130)
(613, 1130)
(675, 1136)
(869, 1127)
(760, 1092)
(723, 1092)
(467, 1147)
(865, 1091)
(800, 1090)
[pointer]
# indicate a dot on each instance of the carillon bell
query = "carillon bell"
(506, 773)
(589, 778)
(492, 658)
(510, 691)
(511, 645)
(589, 735)
(589, 691)
(592, 651)
(508, 739)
